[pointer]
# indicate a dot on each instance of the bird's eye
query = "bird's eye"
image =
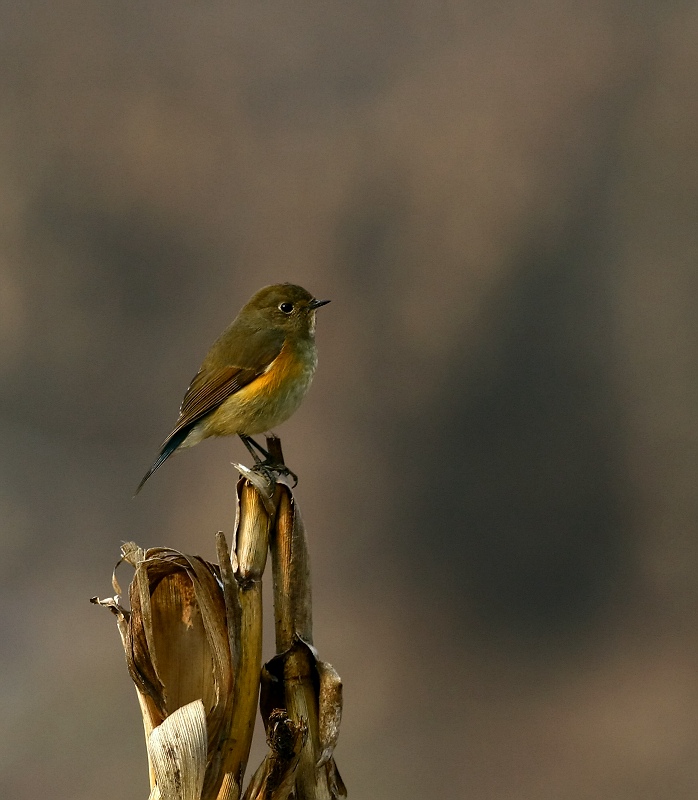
(287, 308)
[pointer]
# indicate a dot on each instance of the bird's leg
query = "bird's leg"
(269, 464)
(250, 443)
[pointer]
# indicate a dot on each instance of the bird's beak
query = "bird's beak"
(313, 304)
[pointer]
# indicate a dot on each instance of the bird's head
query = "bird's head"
(285, 306)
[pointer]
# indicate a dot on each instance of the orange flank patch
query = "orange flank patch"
(286, 367)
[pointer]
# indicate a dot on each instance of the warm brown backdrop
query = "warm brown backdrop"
(498, 458)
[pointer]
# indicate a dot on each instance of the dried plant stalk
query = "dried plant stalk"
(193, 644)
(251, 547)
(296, 679)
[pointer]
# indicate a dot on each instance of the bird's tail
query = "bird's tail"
(171, 444)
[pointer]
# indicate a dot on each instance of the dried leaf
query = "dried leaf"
(311, 691)
(275, 778)
(178, 647)
(177, 749)
(330, 703)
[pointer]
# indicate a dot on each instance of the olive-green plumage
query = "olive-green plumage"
(255, 374)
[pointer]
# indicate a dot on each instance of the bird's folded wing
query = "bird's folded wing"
(209, 389)
(216, 381)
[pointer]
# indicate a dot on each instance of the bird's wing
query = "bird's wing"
(215, 382)
(210, 388)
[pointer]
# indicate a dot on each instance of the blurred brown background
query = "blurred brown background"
(498, 456)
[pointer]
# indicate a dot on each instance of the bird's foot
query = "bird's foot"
(270, 469)
(272, 464)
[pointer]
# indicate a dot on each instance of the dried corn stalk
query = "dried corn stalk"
(193, 644)
(295, 679)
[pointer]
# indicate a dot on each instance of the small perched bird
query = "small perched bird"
(255, 374)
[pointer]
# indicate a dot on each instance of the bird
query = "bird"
(254, 376)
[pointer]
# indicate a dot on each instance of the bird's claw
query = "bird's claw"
(270, 469)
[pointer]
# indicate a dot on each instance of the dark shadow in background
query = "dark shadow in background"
(512, 503)
(521, 477)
